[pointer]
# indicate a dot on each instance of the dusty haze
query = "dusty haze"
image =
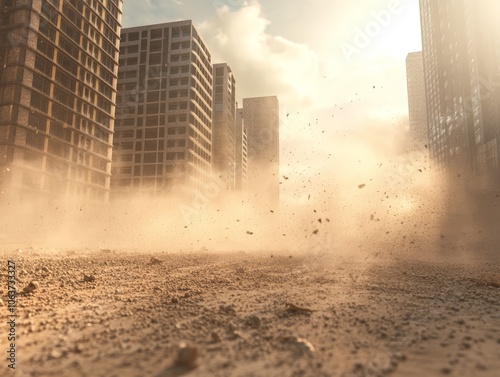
(375, 196)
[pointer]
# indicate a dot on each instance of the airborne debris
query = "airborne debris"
(250, 233)
(316, 231)
(361, 186)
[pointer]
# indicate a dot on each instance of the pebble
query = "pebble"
(186, 356)
(31, 287)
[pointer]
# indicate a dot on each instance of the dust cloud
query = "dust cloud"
(370, 195)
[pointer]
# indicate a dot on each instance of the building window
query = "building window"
(156, 33)
(39, 102)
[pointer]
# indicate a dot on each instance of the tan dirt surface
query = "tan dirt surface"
(115, 314)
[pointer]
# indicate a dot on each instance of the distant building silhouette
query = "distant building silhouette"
(417, 109)
(241, 178)
(164, 111)
(58, 73)
(261, 117)
(223, 129)
(461, 50)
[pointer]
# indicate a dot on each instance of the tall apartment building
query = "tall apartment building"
(164, 110)
(261, 117)
(241, 152)
(58, 73)
(417, 108)
(461, 50)
(223, 130)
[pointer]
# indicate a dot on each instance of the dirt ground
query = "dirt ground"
(116, 314)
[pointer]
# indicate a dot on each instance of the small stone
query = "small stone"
(155, 261)
(358, 366)
(305, 345)
(481, 366)
(215, 337)
(31, 287)
(46, 270)
(88, 278)
(55, 354)
(253, 321)
(186, 356)
(174, 300)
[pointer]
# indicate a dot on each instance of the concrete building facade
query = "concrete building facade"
(164, 110)
(241, 178)
(224, 121)
(417, 108)
(261, 118)
(461, 51)
(58, 75)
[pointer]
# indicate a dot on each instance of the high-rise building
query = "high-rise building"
(223, 130)
(461, 50)
(164, 110)
(58, 74)
(261, 117)
(417, 109)
(241, 152)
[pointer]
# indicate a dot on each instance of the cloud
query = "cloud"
(263, 64)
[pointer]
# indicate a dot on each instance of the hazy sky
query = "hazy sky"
(335, 65)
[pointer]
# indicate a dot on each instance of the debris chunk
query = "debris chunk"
(493, 281)
(250, 233)
(361, 186)
(292, 308)
(88, 278)
(305, 345)
(215, 337)
(31, 287)
(253, 321)
(155, 261)
(186, 356)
